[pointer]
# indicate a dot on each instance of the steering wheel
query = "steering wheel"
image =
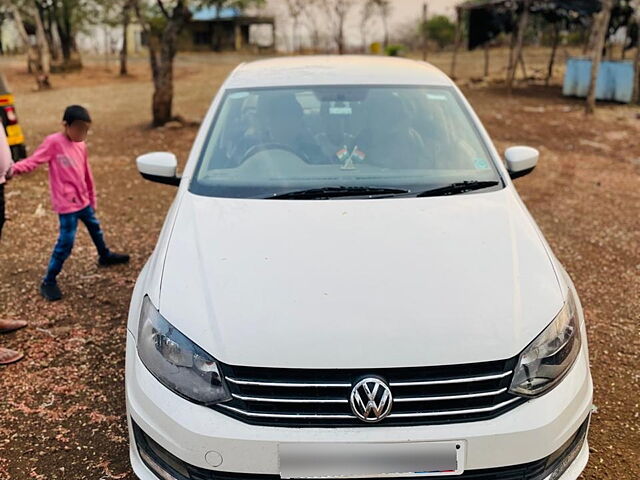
(261, 147)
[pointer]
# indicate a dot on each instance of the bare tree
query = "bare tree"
(127, 6)
(554, 48)
(601, 27)
(365, 17)
(383, 9)
(162, 44)
(517, 51)
(337, 10)
(43, 46)
(312, 20)
(38, 55)
(296, 9)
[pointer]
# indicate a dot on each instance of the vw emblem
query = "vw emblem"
(371, 399)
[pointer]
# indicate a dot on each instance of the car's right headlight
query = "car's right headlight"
(550, 356)
(177, 362)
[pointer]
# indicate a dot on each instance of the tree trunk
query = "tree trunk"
(34, 58)
(456, 46)
(517, 53)
(636, 69)
(554, 48)
(162, 102)
(523, 66)
(596, 56)
(162, 51)
(425, 32)
(43, 50)
(340, 35)
(385, 27)
(125, 40)
(586, 48)
(70, 55)
(512, 45)
(486, 59)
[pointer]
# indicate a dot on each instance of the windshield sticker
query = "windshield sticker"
(480, 164)
(237, 95)
(340, 110)
(435, 96)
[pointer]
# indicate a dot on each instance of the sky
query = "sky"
(403, 12)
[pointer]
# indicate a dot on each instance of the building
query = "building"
(228, 30)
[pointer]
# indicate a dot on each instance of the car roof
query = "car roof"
(335, 70)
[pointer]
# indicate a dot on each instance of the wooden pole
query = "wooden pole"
(425, 32)
(522, 26)
(636, 69)
(486, 59)
(596, 55)
(458, 41)
(554, 48)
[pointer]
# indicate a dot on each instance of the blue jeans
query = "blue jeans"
(68, 229)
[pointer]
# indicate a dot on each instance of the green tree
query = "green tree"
(441, 30)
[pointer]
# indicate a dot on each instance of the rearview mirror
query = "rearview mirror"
(521, 160)
(159, 167)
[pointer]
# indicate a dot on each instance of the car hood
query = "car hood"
(358, 283)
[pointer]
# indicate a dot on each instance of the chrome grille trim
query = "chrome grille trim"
(434, 398)
(285, 415)
(454, 412)
(449, 397)
(289, 400)
(254, 383)
(239, 381)
(450, 381)
(393, 415)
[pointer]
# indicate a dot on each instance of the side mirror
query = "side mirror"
(521, 160)
(159, 167)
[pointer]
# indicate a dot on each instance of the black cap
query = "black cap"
(75, 112)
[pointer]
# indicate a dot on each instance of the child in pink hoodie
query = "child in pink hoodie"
(73, 194)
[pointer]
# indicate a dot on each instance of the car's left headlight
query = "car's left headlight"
(550, 356)
(177, 362)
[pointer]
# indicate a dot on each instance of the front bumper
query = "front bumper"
(210, 440)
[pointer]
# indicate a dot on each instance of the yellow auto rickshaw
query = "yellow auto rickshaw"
(10, 122)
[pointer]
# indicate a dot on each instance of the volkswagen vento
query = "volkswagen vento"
(348, 285)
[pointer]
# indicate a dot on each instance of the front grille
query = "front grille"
(320, 398)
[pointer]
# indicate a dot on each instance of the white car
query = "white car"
(347, 285)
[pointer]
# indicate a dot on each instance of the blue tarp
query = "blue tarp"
(207, 14)
(615, 79)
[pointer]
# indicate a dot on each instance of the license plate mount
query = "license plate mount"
(373, 460)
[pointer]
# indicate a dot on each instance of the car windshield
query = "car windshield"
(266, 143)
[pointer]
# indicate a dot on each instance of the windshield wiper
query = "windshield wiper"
(458, 187)
(340, 191)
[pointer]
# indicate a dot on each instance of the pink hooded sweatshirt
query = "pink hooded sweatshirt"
(5, 155)
(70, 178)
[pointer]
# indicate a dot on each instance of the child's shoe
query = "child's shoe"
(113, 258)
(50, 291)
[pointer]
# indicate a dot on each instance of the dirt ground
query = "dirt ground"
(62, 408)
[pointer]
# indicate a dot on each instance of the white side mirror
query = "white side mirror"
(159, 167)
(521, 160)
